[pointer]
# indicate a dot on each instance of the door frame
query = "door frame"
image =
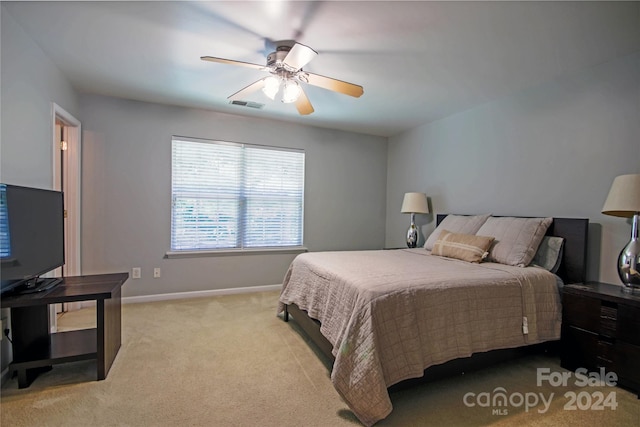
(72, 169)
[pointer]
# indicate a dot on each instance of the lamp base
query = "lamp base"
(412, 233)
(412, 236)
(629, 266)
(629, 261)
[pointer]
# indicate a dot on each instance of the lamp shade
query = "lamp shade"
(414, 203)
(624, 197)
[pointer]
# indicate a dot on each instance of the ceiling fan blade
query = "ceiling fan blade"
(253, 87)
(303, 105)
(334, 84)
(232, 62)
(299, 56)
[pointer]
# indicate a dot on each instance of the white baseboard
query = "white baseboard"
(199, 294)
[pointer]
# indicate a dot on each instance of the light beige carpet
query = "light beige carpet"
(229, 361)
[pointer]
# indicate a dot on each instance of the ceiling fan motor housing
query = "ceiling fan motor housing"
(275, 59)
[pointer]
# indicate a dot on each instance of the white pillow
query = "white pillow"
(516, 239)
(463, 224)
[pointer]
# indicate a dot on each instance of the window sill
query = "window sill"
(234, 252)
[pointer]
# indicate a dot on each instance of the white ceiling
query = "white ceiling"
(417, 61)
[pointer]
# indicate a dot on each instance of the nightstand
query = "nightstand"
(601, 328)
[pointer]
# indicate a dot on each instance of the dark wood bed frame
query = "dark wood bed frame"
(572, 270)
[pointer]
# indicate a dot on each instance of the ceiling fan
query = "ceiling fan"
(285, 66)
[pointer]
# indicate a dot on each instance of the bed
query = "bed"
(385, 317)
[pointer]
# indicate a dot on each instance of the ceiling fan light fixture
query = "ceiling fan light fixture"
(285, 65)
(271, 87)
(291, 91)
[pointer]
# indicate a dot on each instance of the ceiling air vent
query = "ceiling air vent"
(248, 104)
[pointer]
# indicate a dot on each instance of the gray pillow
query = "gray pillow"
(549, 255)
(517, 239)
(463, 224)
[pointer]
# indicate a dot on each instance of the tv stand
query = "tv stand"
(36, 350)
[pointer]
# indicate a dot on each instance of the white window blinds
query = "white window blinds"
(235, 196)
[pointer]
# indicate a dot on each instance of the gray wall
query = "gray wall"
(127, 193)
(30, 83)
(552, 150)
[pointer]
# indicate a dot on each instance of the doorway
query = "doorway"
(67, 155)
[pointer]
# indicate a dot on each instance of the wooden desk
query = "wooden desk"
(35, 349)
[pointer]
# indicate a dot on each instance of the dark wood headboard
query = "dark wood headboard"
(573, 268)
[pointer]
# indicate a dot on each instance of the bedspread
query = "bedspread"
(391, 314)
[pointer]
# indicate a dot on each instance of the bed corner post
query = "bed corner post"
(286, 313)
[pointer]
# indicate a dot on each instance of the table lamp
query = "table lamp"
(624, 201)
(414, 203)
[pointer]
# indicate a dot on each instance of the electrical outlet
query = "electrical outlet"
(135, 273)
(156, 272)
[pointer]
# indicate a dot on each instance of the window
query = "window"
(235, 196)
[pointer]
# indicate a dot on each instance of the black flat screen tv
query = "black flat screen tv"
(31, 237)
